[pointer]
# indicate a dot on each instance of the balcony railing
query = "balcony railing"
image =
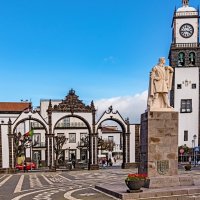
(185, 45)
(62, 125)
(36, 125)
(189, 13)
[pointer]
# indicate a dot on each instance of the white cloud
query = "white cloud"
(128, 106)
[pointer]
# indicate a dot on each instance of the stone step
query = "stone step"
(171, 193)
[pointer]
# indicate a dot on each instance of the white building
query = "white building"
(69, 117)
(184, 57)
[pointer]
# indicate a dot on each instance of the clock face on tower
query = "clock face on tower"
(186, 30)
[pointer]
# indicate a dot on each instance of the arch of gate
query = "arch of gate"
(12, 127)
(82, 119)
(110, 115)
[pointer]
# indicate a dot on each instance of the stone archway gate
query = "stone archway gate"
(125, 126)
(30, 115)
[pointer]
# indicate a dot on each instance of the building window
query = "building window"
(185, 135)
(186, 105)
(83, 138)
(72, 137)
(110, 138)
(66, 122)
(179, 86)
(194, 86)
(181, 59)
(192, 58)
(72, 155)
(83, 135)
(60, 134)
(36, 139)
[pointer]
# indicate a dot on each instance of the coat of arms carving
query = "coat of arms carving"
(162, 166)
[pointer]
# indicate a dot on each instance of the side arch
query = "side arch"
(125, 126)
(11, 136)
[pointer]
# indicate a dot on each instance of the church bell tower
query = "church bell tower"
(184, 57)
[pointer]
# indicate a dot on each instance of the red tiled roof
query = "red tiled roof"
(109, 129)
(13, 106)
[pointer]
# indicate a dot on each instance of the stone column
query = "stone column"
(1, 164)
(93, 144)
(50, 141)
(137, 143)
(128, 141)
(10, 144)
(124, 150)
(50, 150)
(159, 144)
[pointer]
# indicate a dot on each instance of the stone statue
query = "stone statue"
(185, 2)
(159, 86)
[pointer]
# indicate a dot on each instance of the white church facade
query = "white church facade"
(184, 57)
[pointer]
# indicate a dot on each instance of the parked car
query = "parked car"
(29, 166)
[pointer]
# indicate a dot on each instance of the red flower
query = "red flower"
(132, 177)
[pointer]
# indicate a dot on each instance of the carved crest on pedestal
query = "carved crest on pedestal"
(162, 166)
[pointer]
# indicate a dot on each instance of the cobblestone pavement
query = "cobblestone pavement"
(73, 185)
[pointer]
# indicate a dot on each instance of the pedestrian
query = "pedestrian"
(73, 157)
(190, 160)
(107, 160)
(103, 163)
(25, 167)
(73, 163)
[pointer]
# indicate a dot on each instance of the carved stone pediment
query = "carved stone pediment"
(72, 104)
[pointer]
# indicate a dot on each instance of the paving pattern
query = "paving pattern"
(71, 185)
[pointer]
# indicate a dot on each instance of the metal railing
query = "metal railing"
(188, 13)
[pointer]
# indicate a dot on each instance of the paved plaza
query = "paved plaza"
(80, 185)
(70, 185)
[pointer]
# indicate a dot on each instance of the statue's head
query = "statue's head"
(161, 60)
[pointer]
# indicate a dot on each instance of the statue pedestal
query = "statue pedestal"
(159, 144)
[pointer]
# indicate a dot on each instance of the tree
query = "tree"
(21, 143)
(186, 149)
(58, 145)
(108, 145)
(102, 144)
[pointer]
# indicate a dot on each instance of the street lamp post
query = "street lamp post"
(193, 150)
(194, 138)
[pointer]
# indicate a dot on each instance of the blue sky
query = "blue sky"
(100, 48)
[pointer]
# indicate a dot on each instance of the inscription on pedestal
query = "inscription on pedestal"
(162, 166)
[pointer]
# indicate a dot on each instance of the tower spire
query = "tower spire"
(185, 3)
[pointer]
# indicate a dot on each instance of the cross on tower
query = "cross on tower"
(185, 2)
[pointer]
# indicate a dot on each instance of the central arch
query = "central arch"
(72, 148)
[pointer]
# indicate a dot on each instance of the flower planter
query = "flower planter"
(134, 185)
(188, 167)
(135, 181)
(146, 183)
